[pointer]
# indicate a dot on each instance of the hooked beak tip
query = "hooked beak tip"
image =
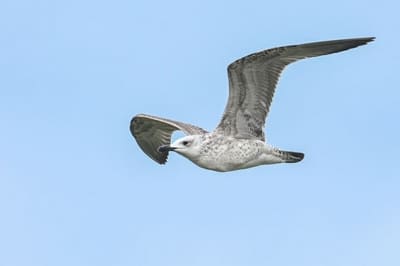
(165, 148)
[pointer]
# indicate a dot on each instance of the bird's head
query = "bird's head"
(188, 146)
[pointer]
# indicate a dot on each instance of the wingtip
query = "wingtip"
(369, 39)
(363, 40)
(162, 158)
(132, 123)
(163, 161)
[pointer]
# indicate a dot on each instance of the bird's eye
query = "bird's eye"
(185, 142)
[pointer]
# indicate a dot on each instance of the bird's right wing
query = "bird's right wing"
(252, 82)
(151, 132)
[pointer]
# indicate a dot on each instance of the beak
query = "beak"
(165, 148)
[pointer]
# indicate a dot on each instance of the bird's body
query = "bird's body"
(226, 153)
(238, 141)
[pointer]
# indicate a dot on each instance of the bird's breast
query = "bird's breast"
(227, 154)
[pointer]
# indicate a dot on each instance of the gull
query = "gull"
(238, 142)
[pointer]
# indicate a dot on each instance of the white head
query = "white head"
(188, 146)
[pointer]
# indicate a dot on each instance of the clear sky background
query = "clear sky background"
(75, 189)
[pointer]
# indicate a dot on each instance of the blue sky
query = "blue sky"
(75, 189)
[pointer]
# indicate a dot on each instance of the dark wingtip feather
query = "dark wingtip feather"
(365, 40)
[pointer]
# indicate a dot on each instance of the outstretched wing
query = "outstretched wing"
(151, 132)
(252, 82)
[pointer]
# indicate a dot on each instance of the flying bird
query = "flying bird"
(238, 141)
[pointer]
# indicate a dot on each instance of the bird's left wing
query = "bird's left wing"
(151, 132)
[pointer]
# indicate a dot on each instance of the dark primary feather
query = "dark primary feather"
(151, 132)
(252, 82)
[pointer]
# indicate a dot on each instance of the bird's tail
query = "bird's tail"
(290, 156)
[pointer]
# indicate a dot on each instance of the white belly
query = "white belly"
(235, 155)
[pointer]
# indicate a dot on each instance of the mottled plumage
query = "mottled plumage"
(239, 140)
